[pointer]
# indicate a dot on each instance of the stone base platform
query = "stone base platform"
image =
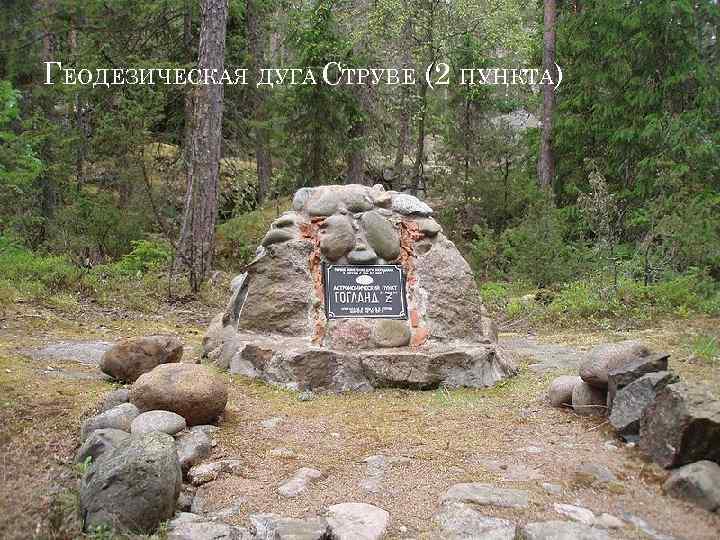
(297, 364)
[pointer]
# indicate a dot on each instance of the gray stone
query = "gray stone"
(376, 467)
(576, 513)
(300, 198)
(208, 472)
(357, 198)
(323, 201)
(588, 400)
(645, 527)
(457, 521)
(681, 426)
(608, 521)
(630, 371)
(164, 421)
(188, 526)
(132, 487)
(357, 521)
(113, 399)
(698, 483)
(560, 530)
(561, 389)
(119, 417)
(337, 237)
(594, 370)
(553, 489)
(405, 204)
(84, 352)
(595, 472)
(362, 256)
(277, 236)
(130, 358)
(278, 298)
(429, 227)
(381, 235)
(270, 423)
(487, 495)
(193, 447)
(185, 499)
(275, 527)
(299, 482)
(631, 400)
(98, 442)
(390, 333)
(194, 392)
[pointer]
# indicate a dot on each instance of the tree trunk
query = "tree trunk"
(420, 147)
(546, 160)
(197, 237)
(256, 50)
(356, 157)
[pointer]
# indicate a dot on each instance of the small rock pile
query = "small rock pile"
(677, 424)
(144, 453)
(145, 438)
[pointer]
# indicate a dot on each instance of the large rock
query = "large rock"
(194, 392)
(134, 486)
(621, 376)
(594, 370)
(681, 426)
(130, 358)
(560, 530)
(698, 483)
(119, 417)
(631, 400)
(561, 389)
(588, 400)
(275, 326)
(357, 521)
(99, 442)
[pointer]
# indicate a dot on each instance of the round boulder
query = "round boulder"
(193, 391)
(130, 358)
(561, 390)
(594, 369)
(588, 400)
(163, 421)
(132, 487)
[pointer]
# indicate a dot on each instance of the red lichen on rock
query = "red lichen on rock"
(419, 337)
(310, 232)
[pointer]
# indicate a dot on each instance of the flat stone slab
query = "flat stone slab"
(487, 495)
(297, 364)
(544, 356)
(88, 353)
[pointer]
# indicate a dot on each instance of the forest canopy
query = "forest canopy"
(93, 179)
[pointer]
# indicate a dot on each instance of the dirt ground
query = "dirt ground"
(507, 436)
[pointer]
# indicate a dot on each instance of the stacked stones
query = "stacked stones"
(145, 438)
(275, 328)
(676, 424)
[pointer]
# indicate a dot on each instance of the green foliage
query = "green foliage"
(706, 348)
(146, 256)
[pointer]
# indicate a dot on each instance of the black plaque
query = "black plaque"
(375, 291)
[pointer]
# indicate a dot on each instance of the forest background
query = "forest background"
(620, 228)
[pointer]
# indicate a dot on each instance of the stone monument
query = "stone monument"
(357, 288)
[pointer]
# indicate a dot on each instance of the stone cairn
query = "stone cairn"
(676, 424)
(275, 326)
